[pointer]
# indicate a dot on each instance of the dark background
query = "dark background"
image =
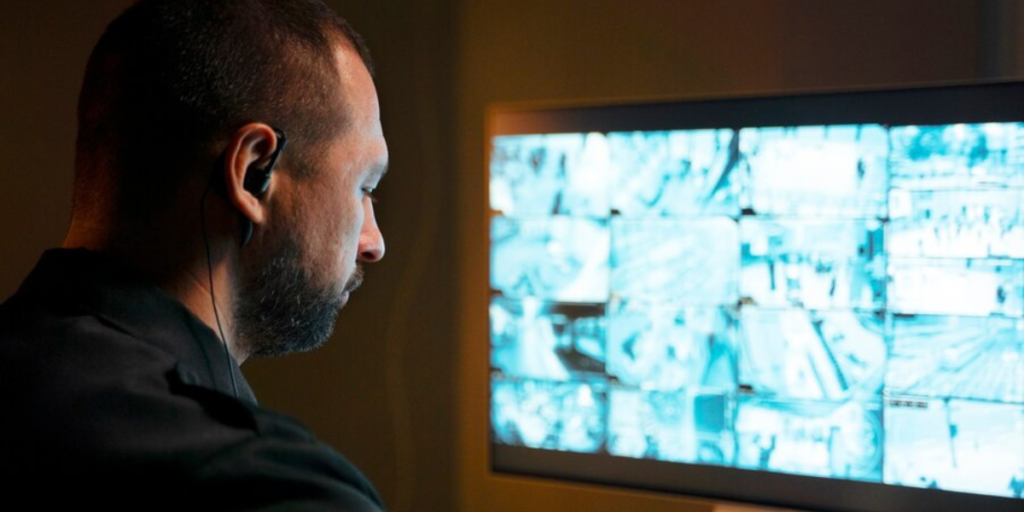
(402, 387)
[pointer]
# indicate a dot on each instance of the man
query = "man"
(226, 154)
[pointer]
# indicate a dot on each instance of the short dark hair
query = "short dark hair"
(170, 78)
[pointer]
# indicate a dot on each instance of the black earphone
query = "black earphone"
(257, 182)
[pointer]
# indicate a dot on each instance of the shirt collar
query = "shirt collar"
(137, 306)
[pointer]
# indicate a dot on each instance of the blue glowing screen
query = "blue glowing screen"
(834, 301)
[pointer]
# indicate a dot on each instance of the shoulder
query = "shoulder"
(90, 405)
(54, 352)
(83, 394)
(284, 466)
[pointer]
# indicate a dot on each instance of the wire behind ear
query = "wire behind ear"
(258, 181)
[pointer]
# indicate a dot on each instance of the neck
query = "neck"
(181, 267)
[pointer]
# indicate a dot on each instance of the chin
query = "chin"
(284, 308)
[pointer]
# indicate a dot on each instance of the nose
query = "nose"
(371, 241)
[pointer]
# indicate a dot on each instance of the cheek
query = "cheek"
(317, 228)
(346, 225)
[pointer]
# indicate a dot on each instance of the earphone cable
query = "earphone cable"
(213, 298)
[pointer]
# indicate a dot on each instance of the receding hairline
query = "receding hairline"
(305, 140)
(348, 58)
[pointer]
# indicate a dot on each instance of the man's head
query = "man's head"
(185, 94)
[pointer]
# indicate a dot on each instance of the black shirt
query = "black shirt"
(114, 393)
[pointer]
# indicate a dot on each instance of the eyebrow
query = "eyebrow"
(379, 170)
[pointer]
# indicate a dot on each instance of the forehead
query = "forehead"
(358, 150)
(358, 92)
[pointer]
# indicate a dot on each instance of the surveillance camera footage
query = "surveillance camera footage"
(559, 174)
(841, 439)
(674, 173)
(661, 345)
(676, 426)
(838, 301)
(815, 171)
(693, 260)
(812, 263)
(556, 258)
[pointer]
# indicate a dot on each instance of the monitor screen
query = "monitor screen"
(809, 301)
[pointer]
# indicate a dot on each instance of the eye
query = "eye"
(368, 192)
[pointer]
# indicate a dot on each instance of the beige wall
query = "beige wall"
(401, 389)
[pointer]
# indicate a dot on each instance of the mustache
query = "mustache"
(356, 280)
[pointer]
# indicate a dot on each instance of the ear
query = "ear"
(249, 152)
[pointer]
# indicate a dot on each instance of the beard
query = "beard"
(281, 308)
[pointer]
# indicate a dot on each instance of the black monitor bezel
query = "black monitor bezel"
(943, 104)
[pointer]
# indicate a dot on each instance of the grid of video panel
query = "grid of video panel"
(835, 301)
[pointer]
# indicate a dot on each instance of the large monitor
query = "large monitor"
(811, 301)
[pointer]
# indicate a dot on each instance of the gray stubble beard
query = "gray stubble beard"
(280, 309)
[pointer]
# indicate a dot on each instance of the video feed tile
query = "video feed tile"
(566, 416)
(828, 171)
(954, 356)
(555, 258)
(955, 445)
(547, 340)
(694, 261)
(958, 155)
(976, 223)
(665, 346)
(672, 173)
(812, 263)
(671, 426)
(822, 355)
(558, 174)
(825, 439)
(956, 287)
(646, 425)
